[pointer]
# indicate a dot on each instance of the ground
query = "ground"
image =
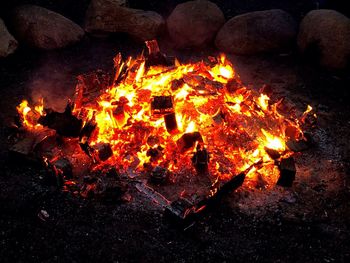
(307, 223)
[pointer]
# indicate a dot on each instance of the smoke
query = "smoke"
(54, 82)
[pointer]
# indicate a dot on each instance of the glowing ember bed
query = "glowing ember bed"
(161, 120)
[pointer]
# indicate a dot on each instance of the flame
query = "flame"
(235, 126)
(30, 116)
(273, 142)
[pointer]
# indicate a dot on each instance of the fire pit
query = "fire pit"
(120, 151)
(161, 121)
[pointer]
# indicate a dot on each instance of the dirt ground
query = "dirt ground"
(308, 223)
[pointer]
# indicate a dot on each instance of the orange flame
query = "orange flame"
(235, 126)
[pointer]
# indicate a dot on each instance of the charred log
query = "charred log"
(300, 145)
(103, 151)
(184, 212)
(200, 160)
(162, 105)
(272, 153)
(170, 122)
(188, 140)
(159, 175)
(155, 57)
(65, 124)
(287, 172)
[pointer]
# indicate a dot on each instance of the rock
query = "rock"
(257, 32)
(327, 32)
(110, 16)
(194, 23)
(7, 42)
(41, 28)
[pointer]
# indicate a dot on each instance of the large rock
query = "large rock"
(110, 16)
(194, 23)
(45, 29)
(7, 42)
(328, 33)
(257, 32)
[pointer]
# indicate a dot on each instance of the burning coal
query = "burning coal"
(164, 119)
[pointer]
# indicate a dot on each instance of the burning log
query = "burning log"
(90, 87)
(88, 129)
(188, 140)
(184, 212)
(287, 172)
(65, 124)
(120, 69)
(176, 84)
(272, 153)
(162, 105)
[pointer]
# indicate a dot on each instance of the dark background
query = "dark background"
(75, 9)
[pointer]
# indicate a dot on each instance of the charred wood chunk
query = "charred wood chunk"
(297, 146)
(90, 86)
(162, 105)
(155, 57)
(153, 140)
(219, 118)
(88, 129)
(178, 210)
(184, 212)
(176, 84)
(159, 175)
(291, 131)
(104, 151)
(87, 149)
(108, 189)
(64, 123)
(233, 85)
(170, 122)
(227, 187)
(23, 147)
(300, 145)
(272, 153)
(188, 140)
(155, 153)
(200, 160)
(287, 172)
(31, 143)
(120, 69)
(63, 167)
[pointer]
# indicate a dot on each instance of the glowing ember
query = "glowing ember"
(164, 116)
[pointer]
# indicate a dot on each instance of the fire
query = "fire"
(30, 116)
(272, 142)
(159, 115)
